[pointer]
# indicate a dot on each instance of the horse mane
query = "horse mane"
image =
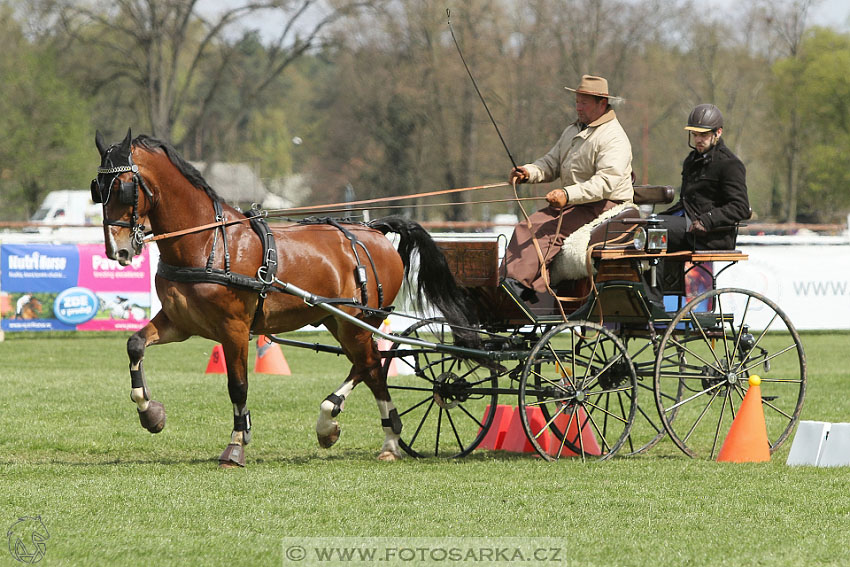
(184, 167)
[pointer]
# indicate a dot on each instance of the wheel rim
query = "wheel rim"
(577, 393)
(705, 359)
(442, 400)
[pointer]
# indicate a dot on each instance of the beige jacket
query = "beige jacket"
(593, 164)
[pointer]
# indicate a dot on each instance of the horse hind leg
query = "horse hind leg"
(391, 424)
(327, 427)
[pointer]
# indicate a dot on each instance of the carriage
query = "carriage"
(642, 346)
(612, 368)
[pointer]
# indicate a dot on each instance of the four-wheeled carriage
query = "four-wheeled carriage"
(616, 365)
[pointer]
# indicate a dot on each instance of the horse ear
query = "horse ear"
(98, 141)
(127, 139)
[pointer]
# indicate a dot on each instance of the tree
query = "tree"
(813, 91)
(44, 123)
(788, 23)
(172, 64)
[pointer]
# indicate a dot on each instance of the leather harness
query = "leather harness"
(266, 277)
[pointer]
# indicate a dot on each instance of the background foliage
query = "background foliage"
(372, 94)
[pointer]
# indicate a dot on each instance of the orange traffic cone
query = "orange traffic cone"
(384, 345)
(571, 423)
(515, 439)
(495, 437)
(747, 441)
(216, 363)
(270, 359)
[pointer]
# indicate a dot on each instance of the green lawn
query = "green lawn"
(112, 494)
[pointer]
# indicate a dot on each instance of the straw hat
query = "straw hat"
(590, 85)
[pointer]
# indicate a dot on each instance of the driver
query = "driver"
(593, 159)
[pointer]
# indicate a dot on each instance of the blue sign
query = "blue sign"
(39, 267)
(76, 305)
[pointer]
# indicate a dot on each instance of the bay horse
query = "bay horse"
(224, 278)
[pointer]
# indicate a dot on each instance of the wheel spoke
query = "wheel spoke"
(697, 356)
(720, 421)
(706, 340)
(702, 414)
(692, 398)
(422, 422)
(606, 412)
(769, 357)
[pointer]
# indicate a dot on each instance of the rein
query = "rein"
(341, 207)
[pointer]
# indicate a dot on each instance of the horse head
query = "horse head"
(126, 199)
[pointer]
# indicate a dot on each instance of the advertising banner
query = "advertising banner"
(60, 287)
(810, 284)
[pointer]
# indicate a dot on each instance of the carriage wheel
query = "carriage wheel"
(647, 429)
(442, 400)
(706, 357)
(578, 393)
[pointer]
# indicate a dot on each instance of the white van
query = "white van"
(68, 207)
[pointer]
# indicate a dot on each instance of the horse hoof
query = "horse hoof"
(153, 418)
(232, 457)
(326, 441)
(388, 456)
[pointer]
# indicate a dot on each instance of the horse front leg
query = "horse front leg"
(236, 360)
(159, 330)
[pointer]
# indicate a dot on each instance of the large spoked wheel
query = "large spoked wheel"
(578, 393)
(705, 360)
(442, 400)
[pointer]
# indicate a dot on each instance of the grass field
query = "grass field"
(110, 493)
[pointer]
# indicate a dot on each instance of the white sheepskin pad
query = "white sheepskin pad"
(571, 262)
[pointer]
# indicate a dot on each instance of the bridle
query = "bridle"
(128, 192)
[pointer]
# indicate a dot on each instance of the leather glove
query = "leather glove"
(697, 226)
(520, 174)
(557, 198)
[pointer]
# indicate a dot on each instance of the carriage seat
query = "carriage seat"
(571, 261)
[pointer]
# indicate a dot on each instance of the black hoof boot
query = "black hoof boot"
(153, 419)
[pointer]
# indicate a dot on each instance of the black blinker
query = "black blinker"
(95, 192)
(127, 193)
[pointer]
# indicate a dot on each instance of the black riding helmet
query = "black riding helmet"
(705, 118)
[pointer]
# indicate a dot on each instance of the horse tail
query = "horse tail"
(435, 280)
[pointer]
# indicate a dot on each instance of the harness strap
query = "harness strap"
(360, 275)
(214, 275)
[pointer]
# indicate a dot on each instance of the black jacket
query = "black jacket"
(714, 191)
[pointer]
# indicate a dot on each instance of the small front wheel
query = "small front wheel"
(578, 393)
(444, 401)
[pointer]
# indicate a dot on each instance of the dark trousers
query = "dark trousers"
(678, 237)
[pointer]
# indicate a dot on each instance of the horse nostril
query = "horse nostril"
(123, 256)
